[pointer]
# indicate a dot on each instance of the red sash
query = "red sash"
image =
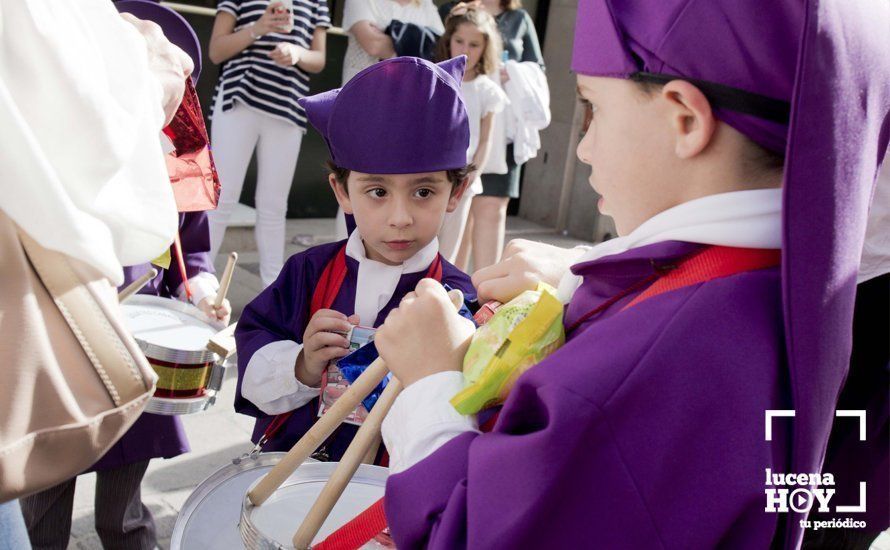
(710, 263)
(335, 273)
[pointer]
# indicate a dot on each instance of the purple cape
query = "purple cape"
(632, 435)
(155, 435)
(281, 312)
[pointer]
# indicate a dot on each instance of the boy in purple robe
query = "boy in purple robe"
(719, 133)
(122, 520)
(397, 135)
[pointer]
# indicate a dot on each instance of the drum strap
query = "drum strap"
(323, 297)
(355, 533)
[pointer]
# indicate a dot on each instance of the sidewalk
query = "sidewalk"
(218, 435)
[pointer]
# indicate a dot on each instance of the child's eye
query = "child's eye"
(424, 193)
(377, 192)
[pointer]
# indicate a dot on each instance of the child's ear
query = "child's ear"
(340, 194)
(691, 116)
(456, 195)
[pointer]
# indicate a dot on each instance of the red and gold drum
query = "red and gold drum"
(173, 336)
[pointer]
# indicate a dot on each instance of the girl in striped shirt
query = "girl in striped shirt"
(267, 53)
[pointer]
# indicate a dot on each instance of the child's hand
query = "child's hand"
(323, 341)
(274, 19)
(221, 313)
(522, 266)
(286, 54)
(425, 335)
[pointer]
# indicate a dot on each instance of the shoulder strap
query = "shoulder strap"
(713, 262)
(330, 282)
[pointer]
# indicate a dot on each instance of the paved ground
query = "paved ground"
(217, 435)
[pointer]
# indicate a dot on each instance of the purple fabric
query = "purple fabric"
(656, 442)
(754, 47)
(401, 116)
(175, 27)
(828, 59)
(153, 435)
(281, 312)
(839, 133)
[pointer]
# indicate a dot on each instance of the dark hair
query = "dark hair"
(455, 176)
(756, 155)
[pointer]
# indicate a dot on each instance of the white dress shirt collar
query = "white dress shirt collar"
(376, 281)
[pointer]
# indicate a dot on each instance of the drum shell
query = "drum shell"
(182, 373)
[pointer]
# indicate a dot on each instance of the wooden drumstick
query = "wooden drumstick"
(367, 434)
(319, 432)
(223, 342)
(137, 285)
(326, 425)
(372, 452)
(226, 279)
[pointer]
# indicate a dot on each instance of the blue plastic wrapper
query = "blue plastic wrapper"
(354, 364)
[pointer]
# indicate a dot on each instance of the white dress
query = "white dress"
(481, 96)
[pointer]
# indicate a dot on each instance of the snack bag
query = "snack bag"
(519, 335)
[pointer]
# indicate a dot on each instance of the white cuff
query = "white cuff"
(570, 282)
(203, 285)
(269, 381)
(422, 419)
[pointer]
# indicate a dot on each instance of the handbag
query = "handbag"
(73, 379)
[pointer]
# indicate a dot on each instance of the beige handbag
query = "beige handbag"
(73, 379)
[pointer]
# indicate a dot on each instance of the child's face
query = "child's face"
(397, 214)
(468, 40)
(630, 146)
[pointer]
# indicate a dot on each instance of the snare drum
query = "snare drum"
(209, 518)
(273, 524)
(173, 336)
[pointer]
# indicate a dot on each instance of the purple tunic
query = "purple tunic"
(645, 430)
(154, 435)
(281, 312)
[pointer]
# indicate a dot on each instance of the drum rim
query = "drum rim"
(170, 406)
(164, 353)
(253, 538)
(211, 483)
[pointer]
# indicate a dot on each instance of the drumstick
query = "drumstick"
(137, 285)
(326, 425)
(180, 261)
(223, 342)
(319, 432)
(226, 279)
(372, 452)
(367, 434)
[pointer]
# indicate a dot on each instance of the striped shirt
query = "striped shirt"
(252, 78)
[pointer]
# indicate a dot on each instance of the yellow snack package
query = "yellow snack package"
(521, 334)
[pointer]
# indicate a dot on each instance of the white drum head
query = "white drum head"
(167, 323)
(209, 518)
(274, 523)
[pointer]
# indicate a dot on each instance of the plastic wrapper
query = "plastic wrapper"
(519, 335)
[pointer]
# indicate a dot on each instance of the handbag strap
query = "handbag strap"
(90, 320)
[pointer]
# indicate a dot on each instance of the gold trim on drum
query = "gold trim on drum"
(181, 379)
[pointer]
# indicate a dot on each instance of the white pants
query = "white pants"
(234, 135)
